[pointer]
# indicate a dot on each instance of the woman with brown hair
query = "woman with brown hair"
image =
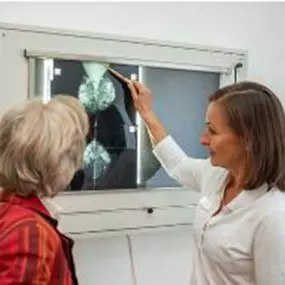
(239, 228)
(41, 148)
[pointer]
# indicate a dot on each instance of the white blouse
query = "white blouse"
(245, 243)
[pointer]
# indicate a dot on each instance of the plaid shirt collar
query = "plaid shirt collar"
(31, 202)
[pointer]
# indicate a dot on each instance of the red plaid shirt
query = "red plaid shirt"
(32, 250)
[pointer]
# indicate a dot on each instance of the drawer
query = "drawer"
(120, 220)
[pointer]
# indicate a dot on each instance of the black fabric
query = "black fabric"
(77, 180)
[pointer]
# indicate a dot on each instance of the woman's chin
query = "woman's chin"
(213, 160)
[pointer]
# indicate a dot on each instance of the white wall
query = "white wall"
(257, 27)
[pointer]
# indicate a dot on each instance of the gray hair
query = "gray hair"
(41, 146)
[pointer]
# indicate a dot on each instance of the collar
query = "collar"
(247, 197)
(54, 209)
(43, 207)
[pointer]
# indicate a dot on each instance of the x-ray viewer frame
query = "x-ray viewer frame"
(88, 213)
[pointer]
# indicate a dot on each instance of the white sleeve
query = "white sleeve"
(182, 168)
(269, 250)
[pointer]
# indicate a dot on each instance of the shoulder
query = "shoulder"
(17, 222)
(273, 204)
(30, 241)
(272, 214)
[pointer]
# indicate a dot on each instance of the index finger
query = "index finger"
(139, 86)
(133, 90)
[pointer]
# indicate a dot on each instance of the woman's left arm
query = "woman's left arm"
(269, 250)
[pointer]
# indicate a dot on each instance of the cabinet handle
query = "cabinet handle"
(149, 210)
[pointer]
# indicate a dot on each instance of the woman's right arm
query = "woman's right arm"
(142, 99)
(182, 168)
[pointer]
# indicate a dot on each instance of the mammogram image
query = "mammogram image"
(111, 154)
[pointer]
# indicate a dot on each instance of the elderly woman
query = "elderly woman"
(239, 229)
(41, 148)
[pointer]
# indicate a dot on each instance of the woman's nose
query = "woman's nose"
(204, 139)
